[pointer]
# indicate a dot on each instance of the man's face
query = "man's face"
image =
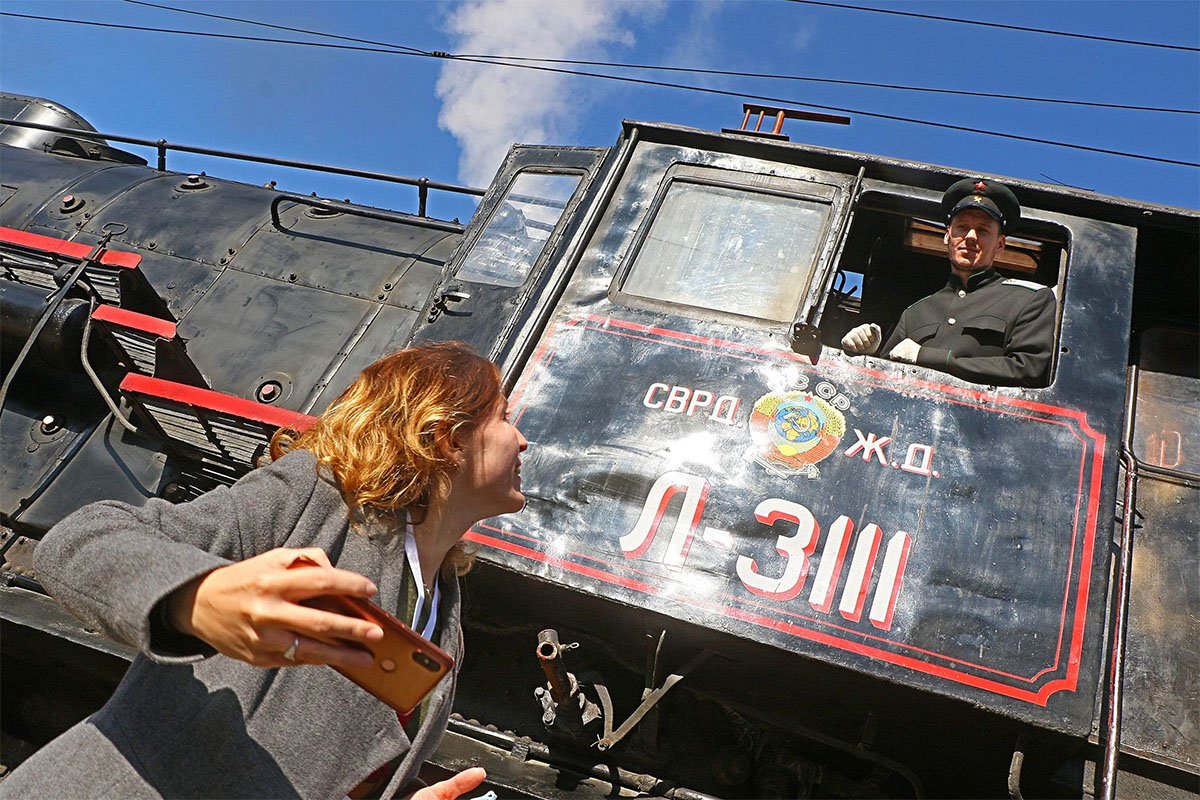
(973, 239)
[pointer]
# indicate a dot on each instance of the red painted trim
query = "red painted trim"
(132, 319)
(215, 401)
(569, 566)
(62, 247)
(1039, 698)
(985, 398)
(120, 258)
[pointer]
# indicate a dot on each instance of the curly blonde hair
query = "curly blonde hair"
(388, 438)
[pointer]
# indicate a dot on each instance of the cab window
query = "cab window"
(520, 227)
(894, 256)
(747, 251)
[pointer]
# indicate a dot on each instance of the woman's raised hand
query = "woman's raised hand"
(251, 611)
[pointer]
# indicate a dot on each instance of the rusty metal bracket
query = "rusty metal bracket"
(611, 737)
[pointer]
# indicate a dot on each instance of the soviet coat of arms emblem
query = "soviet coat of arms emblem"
(792, 431)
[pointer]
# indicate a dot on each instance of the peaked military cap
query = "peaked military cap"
(994, 198)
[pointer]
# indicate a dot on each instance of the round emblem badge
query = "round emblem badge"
(792, 431)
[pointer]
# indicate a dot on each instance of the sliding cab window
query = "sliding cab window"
(748, 251)
(519, 228)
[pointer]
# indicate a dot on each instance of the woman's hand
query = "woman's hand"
(251, 611)
(452, 787)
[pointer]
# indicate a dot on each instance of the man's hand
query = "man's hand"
(251, 611)
(863, 339)
(452, 787)
(906, 351)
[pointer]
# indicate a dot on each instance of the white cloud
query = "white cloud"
(487, 108)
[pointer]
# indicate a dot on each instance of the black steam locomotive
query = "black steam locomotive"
(750, 566)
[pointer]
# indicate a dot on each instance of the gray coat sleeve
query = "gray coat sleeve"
(110, 563)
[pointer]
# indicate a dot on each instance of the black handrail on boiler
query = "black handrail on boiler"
(162, 146)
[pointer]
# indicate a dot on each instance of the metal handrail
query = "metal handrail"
(162, 146)
(359, 211)
(1135, 468)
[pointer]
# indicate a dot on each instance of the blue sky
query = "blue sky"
(451, 121)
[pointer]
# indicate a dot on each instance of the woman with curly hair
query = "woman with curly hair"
(230, 695)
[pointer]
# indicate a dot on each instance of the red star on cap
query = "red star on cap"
(981, 186)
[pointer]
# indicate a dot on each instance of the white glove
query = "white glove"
(863, 339)
(907, 351)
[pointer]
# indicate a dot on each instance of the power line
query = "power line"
(622, 78)
(998, 25)
(405, 48)
(665, 68)
(860, 112)
(838, 81)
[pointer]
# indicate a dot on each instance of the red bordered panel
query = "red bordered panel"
(838, 511)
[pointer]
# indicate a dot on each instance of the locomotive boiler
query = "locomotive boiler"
(750, 565)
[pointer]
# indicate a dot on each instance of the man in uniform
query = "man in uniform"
(980, 327)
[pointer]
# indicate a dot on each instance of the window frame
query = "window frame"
(895, 201)
(831, 194)
(556, 231)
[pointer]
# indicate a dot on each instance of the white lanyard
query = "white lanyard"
(410, 550)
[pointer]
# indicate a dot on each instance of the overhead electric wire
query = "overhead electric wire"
(406, 48)
(622, 78)
(839, 81)
(860, 112)
(1021, 28)
(665, 68)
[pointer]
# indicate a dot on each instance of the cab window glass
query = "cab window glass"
(519, 228)
(729, 249)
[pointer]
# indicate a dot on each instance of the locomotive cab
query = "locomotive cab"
(750, 564)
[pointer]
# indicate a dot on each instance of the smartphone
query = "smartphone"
(406, 666)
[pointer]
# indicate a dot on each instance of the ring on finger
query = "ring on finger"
(290, 653)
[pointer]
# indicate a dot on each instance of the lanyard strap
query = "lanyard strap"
(414, 561)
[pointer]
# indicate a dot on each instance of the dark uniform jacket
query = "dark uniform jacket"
(991, 330)
(187, 723)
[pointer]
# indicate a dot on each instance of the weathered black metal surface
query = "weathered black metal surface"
(654, 479)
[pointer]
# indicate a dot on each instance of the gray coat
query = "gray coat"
(186, 722)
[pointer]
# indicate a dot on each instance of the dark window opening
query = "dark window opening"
(894, 256)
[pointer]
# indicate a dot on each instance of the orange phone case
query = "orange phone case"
(407, 666)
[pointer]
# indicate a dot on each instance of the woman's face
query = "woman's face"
(491, 469)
